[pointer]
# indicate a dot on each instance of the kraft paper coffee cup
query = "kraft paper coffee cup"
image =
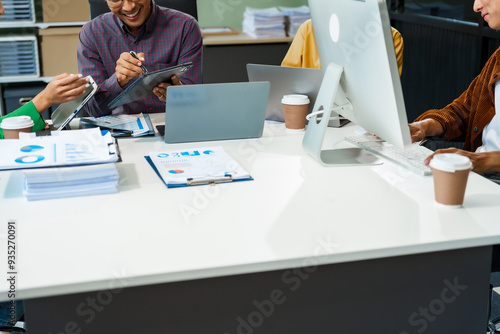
(11, 126)
(450, 172)
(295, 107)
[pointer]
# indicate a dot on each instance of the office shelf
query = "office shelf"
(18, 12)
(27, 79)
(41, 25)
(20, 58)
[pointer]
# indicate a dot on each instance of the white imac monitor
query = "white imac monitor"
(361, 80)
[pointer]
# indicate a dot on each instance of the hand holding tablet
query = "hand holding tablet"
(143, 86)
(69, 110)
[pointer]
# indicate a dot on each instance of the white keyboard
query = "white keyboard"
(411, 158)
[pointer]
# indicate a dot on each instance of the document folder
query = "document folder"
(210, 165)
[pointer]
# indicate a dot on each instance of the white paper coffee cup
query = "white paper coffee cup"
(11, 126)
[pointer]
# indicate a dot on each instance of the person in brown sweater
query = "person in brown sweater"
(472, 114)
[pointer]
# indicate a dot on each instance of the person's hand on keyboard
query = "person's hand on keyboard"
(425, 128)
(361, 132)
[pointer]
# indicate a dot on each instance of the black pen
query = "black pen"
(144, 69)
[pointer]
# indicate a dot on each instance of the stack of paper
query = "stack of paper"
(268, 22)
(50, 183)
(295, 17)
(206, 165)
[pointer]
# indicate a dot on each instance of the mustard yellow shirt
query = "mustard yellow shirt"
(303, 51)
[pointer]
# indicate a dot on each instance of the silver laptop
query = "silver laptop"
(215, 111)
(284, 81)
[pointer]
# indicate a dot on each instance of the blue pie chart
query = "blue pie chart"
(31, 148)
(29, 159)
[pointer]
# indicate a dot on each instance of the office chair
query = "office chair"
(98, 7)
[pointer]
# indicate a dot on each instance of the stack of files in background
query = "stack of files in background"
(295, 16)
(267, 22)
(48, 183)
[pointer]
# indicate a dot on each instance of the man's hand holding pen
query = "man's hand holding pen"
(143, 68)
(128, 67)
(161, 89)
(131, 65)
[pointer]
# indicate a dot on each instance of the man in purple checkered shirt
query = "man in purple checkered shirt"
(161, 37)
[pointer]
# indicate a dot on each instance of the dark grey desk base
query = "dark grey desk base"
(441, 292)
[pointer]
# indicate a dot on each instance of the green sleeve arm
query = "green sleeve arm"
(27, 110)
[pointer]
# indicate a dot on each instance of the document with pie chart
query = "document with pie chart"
(207, 165)
(63, 148)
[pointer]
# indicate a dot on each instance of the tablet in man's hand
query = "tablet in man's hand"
(143, 86)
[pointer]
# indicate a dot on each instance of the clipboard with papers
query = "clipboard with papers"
(207, 165)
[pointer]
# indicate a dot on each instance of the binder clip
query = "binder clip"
(209, 180)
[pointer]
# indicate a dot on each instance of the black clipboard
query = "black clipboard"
(143, 86)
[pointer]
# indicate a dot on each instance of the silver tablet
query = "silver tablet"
(69, 110)
(143, 86)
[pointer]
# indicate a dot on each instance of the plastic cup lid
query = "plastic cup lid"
(17, 122)
(450, 162)
(295, 99)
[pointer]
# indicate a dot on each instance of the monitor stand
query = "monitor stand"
(329, 93)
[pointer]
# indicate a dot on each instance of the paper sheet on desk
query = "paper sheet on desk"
(205, 164)
(135, 123)
(62, 148)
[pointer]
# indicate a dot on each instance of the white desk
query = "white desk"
(368, 244)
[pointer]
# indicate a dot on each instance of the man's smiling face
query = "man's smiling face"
(134, 13)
